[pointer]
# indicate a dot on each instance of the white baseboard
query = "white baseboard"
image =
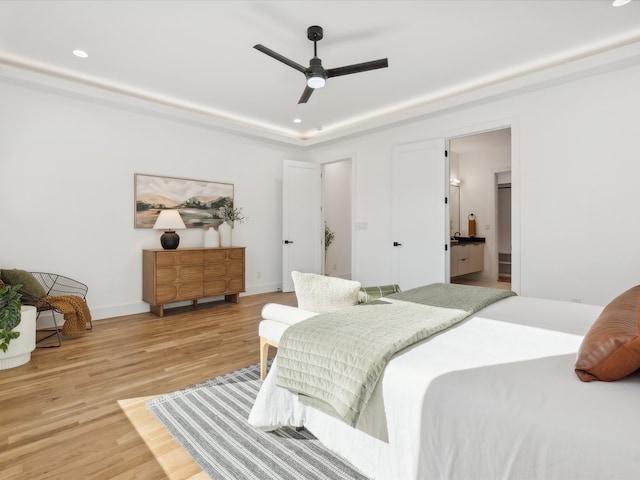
(99, 313)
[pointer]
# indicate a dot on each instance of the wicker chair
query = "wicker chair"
(55, 284)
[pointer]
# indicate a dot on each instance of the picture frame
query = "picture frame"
(197, 201)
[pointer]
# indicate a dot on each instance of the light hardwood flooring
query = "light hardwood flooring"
(59, 413)
(174, 460)
(505, 285)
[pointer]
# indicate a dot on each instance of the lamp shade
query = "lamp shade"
(169, 220)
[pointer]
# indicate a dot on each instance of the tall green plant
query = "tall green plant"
(10, 314)
(329, 235)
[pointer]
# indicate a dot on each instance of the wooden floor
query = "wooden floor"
(59, 414)
(502, 284)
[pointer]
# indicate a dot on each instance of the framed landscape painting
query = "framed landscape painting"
(197, 201)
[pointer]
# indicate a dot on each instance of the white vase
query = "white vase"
(225, 229)
(211, 238)
(19, 350)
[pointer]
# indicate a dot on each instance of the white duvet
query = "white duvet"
(495, 397)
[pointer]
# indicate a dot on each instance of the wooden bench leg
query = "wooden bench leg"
(264, 354)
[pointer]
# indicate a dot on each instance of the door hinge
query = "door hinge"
(446, 247)
(446, 200)
(446, 153)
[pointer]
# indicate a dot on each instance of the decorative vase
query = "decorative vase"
(211, 237)
(225, 229)
(19, 350)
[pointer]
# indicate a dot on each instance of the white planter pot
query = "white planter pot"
(19, 351)
(225, 229)
(211, 238)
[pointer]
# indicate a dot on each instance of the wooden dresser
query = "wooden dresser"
(188, 274)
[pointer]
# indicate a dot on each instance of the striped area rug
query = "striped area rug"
(209, 420)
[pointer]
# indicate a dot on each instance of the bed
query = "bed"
(495, 396)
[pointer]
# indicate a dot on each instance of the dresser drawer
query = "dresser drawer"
(177, 257)
(179, 274)
(178, 292)
(213, 288)
(223, 270)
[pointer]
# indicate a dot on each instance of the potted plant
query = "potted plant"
(228, 215)
(329, 235)
(17, 328)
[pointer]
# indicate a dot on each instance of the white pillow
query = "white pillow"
(319, 293)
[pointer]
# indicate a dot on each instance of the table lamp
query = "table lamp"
(169, 221)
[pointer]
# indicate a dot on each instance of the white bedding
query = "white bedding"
(495, 397)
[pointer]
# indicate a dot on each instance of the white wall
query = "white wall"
(575, 158)
(66, 190)
(67, 165)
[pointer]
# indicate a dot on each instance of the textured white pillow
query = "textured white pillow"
(319, 293)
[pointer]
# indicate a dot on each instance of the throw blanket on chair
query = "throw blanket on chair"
(75, 311)
(334, 360)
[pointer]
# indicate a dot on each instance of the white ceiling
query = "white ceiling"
(198, 55)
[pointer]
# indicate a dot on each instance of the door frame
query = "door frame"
(286, 286)
(514, 124)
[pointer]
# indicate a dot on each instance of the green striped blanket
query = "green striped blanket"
(334, 360)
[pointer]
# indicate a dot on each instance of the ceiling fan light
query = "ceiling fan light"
(316, 82)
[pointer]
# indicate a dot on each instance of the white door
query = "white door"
(420, 215)
(301, 220)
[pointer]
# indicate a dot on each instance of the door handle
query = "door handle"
(287, 242)
(396, 244)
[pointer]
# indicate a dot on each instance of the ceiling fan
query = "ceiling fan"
(316, 74)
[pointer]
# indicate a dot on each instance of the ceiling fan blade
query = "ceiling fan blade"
(306, 94)
(280, 58)
(358, 67)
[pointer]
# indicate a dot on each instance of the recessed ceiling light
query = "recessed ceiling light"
(619, 3)
(297, 120)
(80, 53)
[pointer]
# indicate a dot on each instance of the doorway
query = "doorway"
(336, 200)
(503, 183)
(480, 169)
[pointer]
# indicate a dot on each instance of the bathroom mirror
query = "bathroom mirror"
(454, 209)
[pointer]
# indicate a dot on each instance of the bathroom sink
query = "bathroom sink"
(455, 240)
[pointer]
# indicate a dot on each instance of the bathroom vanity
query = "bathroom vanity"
(467, 255)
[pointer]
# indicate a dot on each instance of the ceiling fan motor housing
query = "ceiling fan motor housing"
(315, 69)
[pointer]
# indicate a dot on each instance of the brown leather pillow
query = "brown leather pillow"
(611, 349)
